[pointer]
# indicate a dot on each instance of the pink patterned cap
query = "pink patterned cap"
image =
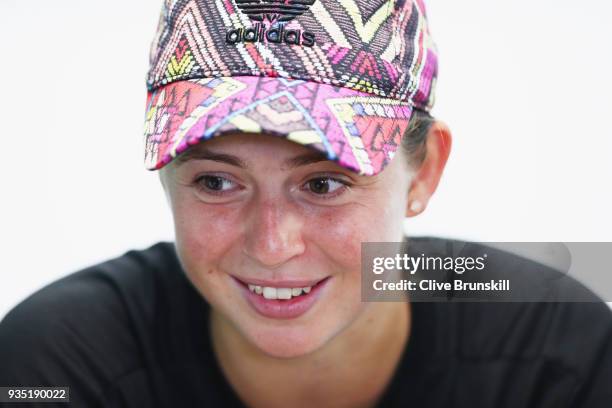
(339, 76)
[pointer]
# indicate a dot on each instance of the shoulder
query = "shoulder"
(551, 343)
(80, 330)
(546, 311)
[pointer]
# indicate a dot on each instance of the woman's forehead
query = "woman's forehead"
(236, 140)
(241, 148)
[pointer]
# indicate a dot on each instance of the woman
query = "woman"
(288, 133)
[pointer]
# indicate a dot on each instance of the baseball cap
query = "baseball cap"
(342, 77)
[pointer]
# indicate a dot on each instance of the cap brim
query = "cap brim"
(358, 130)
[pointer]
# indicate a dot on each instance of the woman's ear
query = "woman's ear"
(427, 176)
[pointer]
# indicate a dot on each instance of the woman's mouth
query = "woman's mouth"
(281, 300)
(279, 293)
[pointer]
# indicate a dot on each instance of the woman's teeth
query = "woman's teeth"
(278, 293)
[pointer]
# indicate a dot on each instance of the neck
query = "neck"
(362, 357)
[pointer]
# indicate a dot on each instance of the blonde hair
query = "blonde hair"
(415, 138)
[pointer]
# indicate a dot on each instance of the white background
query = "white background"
(524, 85)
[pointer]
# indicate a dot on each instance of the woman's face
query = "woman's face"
(263, 211)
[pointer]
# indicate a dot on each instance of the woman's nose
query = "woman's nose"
(273, 233)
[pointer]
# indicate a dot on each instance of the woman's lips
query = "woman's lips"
(281, 300)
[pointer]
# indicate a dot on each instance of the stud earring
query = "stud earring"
(416, 206)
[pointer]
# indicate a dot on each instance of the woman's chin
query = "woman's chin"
(286, 342)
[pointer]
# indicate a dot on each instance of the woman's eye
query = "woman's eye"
(215, 183)
(325, 185)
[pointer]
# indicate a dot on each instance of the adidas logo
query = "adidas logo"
(276, 12)
(278, 34)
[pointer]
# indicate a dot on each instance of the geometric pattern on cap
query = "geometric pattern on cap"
(360, 131)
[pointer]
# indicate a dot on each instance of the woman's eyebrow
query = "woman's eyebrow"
(304, 159)
(204, 154)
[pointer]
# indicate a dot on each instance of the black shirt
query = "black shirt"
(133, 332)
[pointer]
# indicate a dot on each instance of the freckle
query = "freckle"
(210, 271)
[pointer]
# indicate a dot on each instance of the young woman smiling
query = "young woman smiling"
(279, 159)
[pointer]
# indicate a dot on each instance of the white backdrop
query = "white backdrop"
(524, 85)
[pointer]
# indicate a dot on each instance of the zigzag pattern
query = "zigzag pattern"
(361, 132)
(204, 82)
(378, 46)
(182, 62)
(366, 28)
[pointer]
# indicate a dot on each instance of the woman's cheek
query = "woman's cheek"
(201, 245)
(204, 233)
(339, 233)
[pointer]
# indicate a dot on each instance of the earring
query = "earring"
(416, 206)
